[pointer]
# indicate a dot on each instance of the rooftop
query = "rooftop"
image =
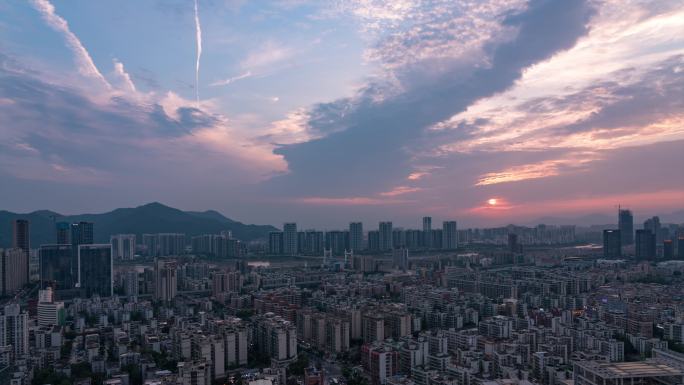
(630, 369)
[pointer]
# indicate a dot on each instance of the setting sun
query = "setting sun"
(492, 201)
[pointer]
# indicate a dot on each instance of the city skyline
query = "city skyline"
(342, 192)
(342, 111)
(588, 220)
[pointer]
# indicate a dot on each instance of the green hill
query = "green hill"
(150, 218)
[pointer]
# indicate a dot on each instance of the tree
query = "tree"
(352, 377)
(49, 376)
(134, 374)
(297, 367)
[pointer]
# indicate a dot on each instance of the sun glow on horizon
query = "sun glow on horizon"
(492, 201)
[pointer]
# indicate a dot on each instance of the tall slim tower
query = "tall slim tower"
(626, 226)
(21, 239)
(427, 232)
(165, 280)
(385, 235)
(290, 239)
(21, 235)
(449, 235)
(62, 233)
(356, 236)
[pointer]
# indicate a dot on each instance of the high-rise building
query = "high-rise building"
(513, 245)
(131, 283)
(56, 269)
(21, 235)
(336, 241)
(315, 242)
(290, 239)
(123, 246)
(275, 242)
(374, 240)
(385, 229)
(82, 233)
(95, 270)
(373, 327)
(668, 249)
(427, 232)
(14, 330)
(13, 274)
(680, 248)
(653, 224)
(645, 245)
(276, 338)
(165, 280)
(235, 338)
(449, 235)
(21, 239)
(398, 238)
(151, 245)
(171, 243)
(50, 313)
(437, 238)
(612, 244)
(62, 232)
(626, 227)
(356, 236)
(401, 259)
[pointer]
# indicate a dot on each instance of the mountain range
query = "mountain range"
(150, 218)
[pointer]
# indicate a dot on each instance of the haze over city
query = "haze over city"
(322, 112)
(342, 192)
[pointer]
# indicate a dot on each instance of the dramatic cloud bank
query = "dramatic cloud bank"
(359, 109)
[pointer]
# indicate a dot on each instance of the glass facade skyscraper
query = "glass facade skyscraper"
(56, 268)
(626, 227)
(95, 269)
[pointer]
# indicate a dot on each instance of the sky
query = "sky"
(325, 112)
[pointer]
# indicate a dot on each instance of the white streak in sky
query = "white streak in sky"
(233, 79)
(85, 63)
(198, 33)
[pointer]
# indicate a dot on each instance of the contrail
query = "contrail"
(85, 63)
(198, 32)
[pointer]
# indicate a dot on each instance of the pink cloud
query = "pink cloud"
(348, 201)
(400, 190)
(646, 201)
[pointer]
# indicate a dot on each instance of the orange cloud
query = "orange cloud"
(400, 190)
(574, 161)
(348, 201)
(655, 200)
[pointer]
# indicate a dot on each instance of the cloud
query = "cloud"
(350, 201)
(120, 71)
(383, 134)
(544, 169)
(85, 63)
(266, 56)
(198, 38)
(604, 203)
(400, 190)
(231, 80)
(97, 138)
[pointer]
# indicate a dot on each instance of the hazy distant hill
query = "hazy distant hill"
(150, 218)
